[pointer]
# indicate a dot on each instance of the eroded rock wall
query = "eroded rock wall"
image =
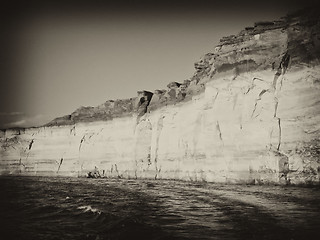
(249, 114)
(237, 130)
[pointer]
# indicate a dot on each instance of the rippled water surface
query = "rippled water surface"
(76, 208)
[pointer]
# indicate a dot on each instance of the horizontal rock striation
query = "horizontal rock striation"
(249, 114)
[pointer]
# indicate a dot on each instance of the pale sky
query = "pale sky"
(58, 57)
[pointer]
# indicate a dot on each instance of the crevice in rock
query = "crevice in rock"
(27, 156)
(61, 160)
(215, 97)
(275, 106)
(219, 131)
(254, 109)
(73, 130)
(275, 79)
(210, 105)
(158, 170)
(81, 141)
(159, 130)
(260, 79)
(21, 164)
(256, 102)
(235, 99)
(279, 138)
(135, 172)
(285, 63)
(252, 84)
(30, 144)
(116, 169)
(149, 159)
(283, 66)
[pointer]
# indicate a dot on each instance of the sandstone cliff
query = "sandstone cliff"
(249, 114)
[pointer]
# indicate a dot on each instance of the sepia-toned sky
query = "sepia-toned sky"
(56, 57)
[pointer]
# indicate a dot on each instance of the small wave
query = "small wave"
(88, 208)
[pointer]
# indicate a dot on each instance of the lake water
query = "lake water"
(79, 208)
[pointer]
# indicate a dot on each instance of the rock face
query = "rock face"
(249, 114)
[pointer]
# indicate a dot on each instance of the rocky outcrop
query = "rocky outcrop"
(142, 103)
(107, 111)
(249, 114)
